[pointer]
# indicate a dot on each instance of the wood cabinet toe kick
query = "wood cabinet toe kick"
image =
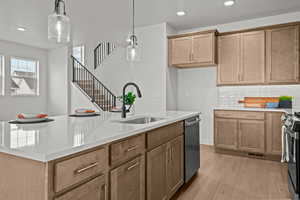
(106, 172)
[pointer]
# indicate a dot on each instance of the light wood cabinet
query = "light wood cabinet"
(267, 55)
(114, 171)
(128, 180)
(242, 58)
(175, 165)
(226, 133)
(229, 59)
(252, 136)
(157, 173)
(165, 170)
(193, 50)
(283, 55)
(95, 189)
(248, 133)
(274, 124)
(203, 49)
(252, 65)
(181, 50)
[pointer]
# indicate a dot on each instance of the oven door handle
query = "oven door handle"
(294, 153)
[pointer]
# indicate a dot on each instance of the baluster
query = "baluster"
(93, 88)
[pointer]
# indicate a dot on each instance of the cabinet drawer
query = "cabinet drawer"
(77, 169)
(240, 115)
(162, 135)
(95, 189)
(127, 149)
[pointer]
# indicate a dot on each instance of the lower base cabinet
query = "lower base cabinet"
(165, 170)
(128, 180)
(252, 136)
(95, 189)
(248, 133)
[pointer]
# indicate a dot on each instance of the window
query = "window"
(78, 53)
(1, 75)
(24, 77)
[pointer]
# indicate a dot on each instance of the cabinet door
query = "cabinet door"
(181, 50)
(174, 165)
(274, 141)
(156, 173)
(96, 189)
(229, 59)
(204, 49)
(128, 180)
(226, 132)
(283, 55)
(252, 68)
(252, 136)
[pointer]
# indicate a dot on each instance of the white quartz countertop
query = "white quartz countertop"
(255, 109)
(68, 135)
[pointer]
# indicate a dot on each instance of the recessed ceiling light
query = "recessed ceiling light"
(21, 29)
(181, 13)
(229, 2)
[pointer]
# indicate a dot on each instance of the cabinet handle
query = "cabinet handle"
(131, 148)
(79, 171)
(171, 153)
(133, 166)
(105, 192)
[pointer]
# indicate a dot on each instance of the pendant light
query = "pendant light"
(133, 49)
(59, 25)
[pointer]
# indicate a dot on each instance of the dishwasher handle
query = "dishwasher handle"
(191, 123)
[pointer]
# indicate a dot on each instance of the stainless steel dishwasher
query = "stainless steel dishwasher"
(192, 147)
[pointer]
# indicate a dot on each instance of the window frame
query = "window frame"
(2, 69)
(82, 47)
(37, 94)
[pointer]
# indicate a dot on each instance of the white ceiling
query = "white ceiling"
(106, 17)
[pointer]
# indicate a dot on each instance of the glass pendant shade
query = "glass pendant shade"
(133, 53)
(59, 28)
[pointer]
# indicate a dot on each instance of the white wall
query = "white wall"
(149, 73)
(171, 78)
(11, 105)
(197, 87)
(58, 81)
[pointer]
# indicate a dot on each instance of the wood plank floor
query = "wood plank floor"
(225, 177)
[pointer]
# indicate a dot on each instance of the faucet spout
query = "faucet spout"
(124, 93)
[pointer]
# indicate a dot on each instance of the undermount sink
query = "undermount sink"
(142, 120)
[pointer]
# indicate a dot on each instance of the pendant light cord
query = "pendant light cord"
(133, 17)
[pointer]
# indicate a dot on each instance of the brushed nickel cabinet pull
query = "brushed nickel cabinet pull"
(105, 192)
(79, 171)
(131, 148)
(133, 166)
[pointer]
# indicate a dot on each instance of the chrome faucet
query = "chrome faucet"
(124, 91)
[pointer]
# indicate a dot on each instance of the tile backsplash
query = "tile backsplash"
(229, 96)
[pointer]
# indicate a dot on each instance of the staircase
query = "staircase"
(96, 91)
(102, 51)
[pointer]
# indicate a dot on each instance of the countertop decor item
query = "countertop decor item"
(59, 25)
(285, 102)
(260, 102)
(31, 121)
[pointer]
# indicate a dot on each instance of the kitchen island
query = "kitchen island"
(93, 158)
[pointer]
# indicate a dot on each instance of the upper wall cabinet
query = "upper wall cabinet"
(252, 65)
(242, 58)
(229, 59)
(283, 55)
(193, 50)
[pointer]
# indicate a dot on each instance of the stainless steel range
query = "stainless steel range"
(292, 124)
